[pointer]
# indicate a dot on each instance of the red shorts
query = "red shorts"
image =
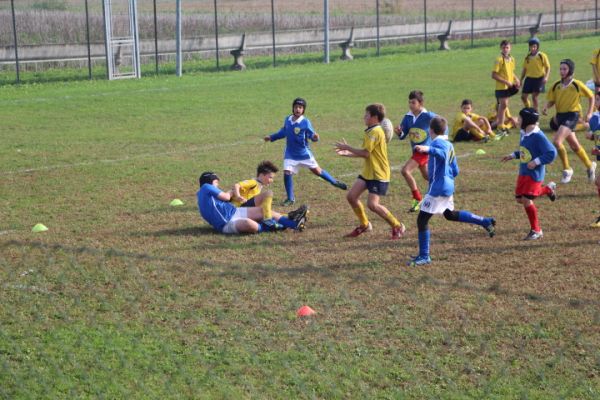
(420, 158)
(527, 187)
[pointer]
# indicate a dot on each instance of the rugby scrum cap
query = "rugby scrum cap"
(529, 116)
(533, 41)
(300, 101)
(569, 63)
(208, 177)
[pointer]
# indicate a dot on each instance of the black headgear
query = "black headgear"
(300, 101)
(529, 116)
(207, 177)
(533, 41)
(569, 63)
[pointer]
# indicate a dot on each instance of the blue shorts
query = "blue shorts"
(568, 119)
(462, 136)
(501, 94)
(249, 203)
(534, 85)
(376, 187)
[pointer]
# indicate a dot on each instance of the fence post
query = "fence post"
(155, 38)
(555, 22)
(326, 28)
(216, 33)
(472, 21)
(596, 17)
(514, 21)
(273, 29)
(178, 57)
(425, 23)
(87, 36)
(377, 21)
(14, 21)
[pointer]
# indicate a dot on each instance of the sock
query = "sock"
(325, 175)
(546, 190)
(417, 195)
(424, 243)
(266, 207)
(562, 153)
(288, 181)
(533, 217)
(584, 157)
(390, 219)
(478, 135)
(361, 214)
(470, 218)
(527, 103)
(288, 223)
(491, 134)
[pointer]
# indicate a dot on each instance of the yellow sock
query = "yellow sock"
(266, 207)
(491, 134)
(527, 103)
(584, 157)
(361, 214)
(392, 220)
(476, 133)
(562, 153)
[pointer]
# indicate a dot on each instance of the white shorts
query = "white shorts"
(437, 204)
(293, 165)
(240, 213)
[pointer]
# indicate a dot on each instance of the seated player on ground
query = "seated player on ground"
(470, 126)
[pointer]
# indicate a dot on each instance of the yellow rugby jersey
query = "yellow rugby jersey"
(595, 57)
(459, 121)
(377, 165)
(506, 69)
(566, 98)
(507, 115)
(536, 66)
(248, 189)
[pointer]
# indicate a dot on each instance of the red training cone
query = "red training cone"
(305, 311)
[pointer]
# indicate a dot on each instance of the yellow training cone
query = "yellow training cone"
(176, 202)
(480, 152)
(39, 228)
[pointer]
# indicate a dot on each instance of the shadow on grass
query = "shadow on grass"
(189, 231)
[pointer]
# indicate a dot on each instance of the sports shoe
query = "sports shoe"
(491, 228)
(533, 235)
(591, 172)
(501, 134)
(270, 225)
(299, 213)
(419, 261)
(301, 224)
(398, 231)
(416, 206)
(340, 185)
(288, 202)
(567, 174)
(552, 194)
(596, 224)
(359, 230)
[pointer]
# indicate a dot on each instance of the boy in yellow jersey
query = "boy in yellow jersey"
(595, 61)
(248, 193)
(375, 176)
(507, 84)
(566, 94)
(470, 126)
(509, 121)
(536, 70)
(594, 134)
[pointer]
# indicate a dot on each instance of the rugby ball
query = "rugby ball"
(388, 129)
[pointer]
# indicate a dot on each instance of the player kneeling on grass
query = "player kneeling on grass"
(440, 196)
(249, 193)
(375, 176)
(216, 209)
(594, 134)
(535, 151)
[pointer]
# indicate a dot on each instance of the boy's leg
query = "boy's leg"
(353, 196)
(485, 126)
(374, 205)
(266, 204)
(525, 99)
(561, 134)
(326, 176)
(288, 182)
(596, 224)
(582, 154)
(468, 217)
(534, 99)
(407, 171)
(424, 238)
(502, 106)
(532, 215)
(246, 225)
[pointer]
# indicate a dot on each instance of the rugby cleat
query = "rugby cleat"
(552, 194)
(301, 225)
(288, 202)
(416, 206)
(340, 185)
(596, 224)
(491, 228)
(299, 213)
(419, 261)
(567, 174)
(359, 230)
(398, 232)
(533, 235)
(270, 225)
(591, 172)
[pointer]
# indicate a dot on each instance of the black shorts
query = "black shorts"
(534, 85)
(568, 119)
(501, 94)
(375, 186)
(249, 203)
(462, 136)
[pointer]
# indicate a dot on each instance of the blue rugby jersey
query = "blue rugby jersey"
(535, 146)
(442, 167)
(416, 128)
(595, 129)
(297, 134)
(215, 211)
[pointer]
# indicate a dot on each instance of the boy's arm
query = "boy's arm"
(213, 191)
(523, 73)
(235, 193)
(344, 149)
(591, 103)
(548, 105)
(276, 136)
(497, 77)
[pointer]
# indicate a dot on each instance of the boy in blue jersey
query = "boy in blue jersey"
(594, 134)
(297, 130)
(415, 126)
(535, 151)
(440, 196)
(215, 207)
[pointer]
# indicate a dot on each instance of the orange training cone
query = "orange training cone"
(305, 311)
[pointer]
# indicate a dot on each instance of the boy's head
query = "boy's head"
(438, 126)
(298, 106)
(534, 45)
(528, 116)
(466, 106)
(505, 47)
(415, 101)
(598, 101)
(567, 68)
(208, 177)
(374, 114)
(265, 172)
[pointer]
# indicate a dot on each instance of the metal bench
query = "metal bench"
(443, 38)
(238, 55)
(346, 46)
(534, 30)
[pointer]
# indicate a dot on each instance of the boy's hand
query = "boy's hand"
(342, 148)
(507, 158)
(589, 135)
(267, 138)
(596, 151)
(398, 130)
(315, 137)
(241, 199)
(531, 164)
(422, 149)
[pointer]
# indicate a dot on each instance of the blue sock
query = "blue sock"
(288, 223)
(424, 243)
(468, 217)
(325, 175)
(288, 181)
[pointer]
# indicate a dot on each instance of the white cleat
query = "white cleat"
(567, 174)
(591, 173)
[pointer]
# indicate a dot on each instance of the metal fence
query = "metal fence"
(37, 37)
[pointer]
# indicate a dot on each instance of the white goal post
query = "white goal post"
(121, 39)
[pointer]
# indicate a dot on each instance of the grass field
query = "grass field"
(125, 296)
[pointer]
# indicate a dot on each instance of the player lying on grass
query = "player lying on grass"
(297, 131)
(440, 196)
(470, 126)
(594, 134)
(375, 177)
(535, 151)
(249, 193)
(216, 209)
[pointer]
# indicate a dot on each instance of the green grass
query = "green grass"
(125, 296)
